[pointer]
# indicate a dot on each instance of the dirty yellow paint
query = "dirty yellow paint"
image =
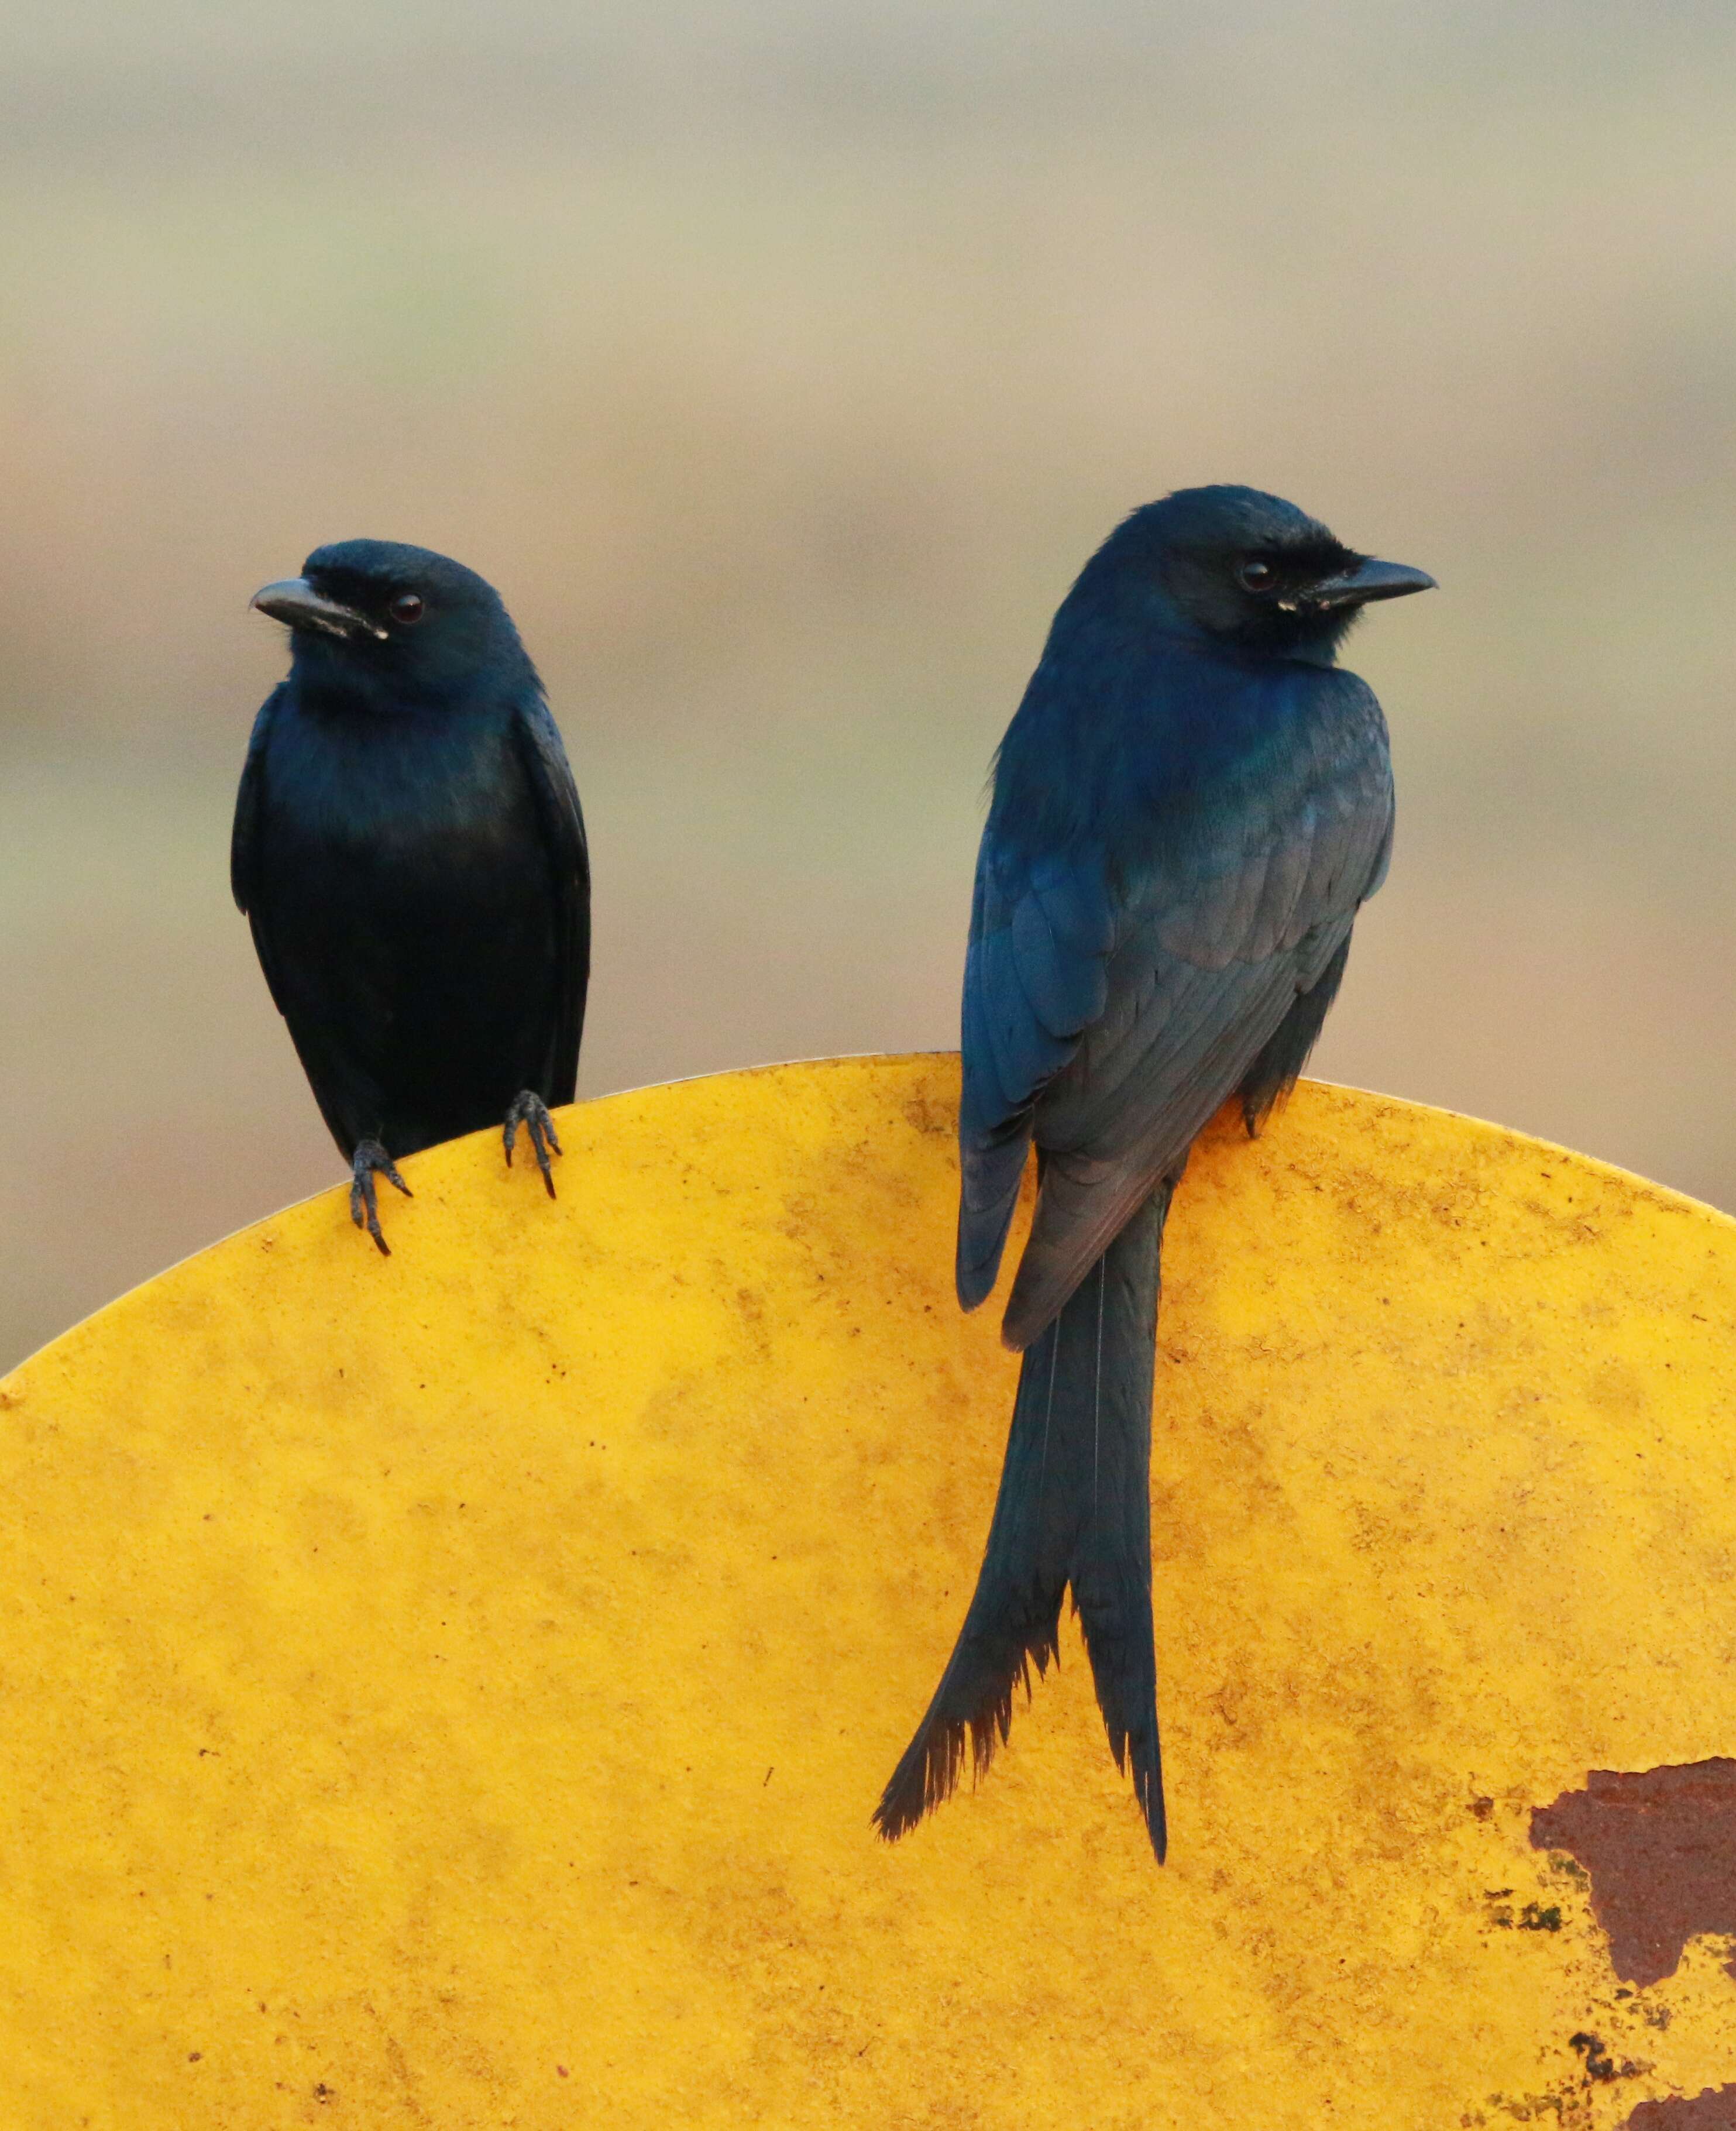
(451, 1691)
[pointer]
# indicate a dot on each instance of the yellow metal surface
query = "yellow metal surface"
(451, 1691)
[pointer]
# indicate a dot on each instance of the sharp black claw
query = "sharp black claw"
(371, 1160)
(529, 1109)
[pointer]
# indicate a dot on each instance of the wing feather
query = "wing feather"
(244, 842)
(557, 796)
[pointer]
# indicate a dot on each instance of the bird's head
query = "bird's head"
(387, 625)
(1246, 570)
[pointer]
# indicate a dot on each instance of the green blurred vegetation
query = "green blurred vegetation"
(782, 364)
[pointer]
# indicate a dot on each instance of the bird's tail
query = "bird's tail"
(1074, 1511)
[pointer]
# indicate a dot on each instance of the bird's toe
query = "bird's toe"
(371, 1160)
(529, 1109)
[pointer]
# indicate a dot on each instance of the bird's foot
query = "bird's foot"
(529, 1109)
(370, 1159)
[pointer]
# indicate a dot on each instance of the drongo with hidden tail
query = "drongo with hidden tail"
(409, 851)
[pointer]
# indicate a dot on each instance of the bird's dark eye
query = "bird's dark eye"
(1256, 576)
(406, 608)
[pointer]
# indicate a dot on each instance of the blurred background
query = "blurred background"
(781, 363)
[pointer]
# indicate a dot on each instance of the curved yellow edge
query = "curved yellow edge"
(451, 1691)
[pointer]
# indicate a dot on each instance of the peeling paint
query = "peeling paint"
(1660, 1848)
(1712, 2111)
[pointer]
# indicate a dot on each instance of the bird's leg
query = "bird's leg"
(529, 1109)
(371, 1158)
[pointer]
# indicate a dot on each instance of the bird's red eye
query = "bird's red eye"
(1256, 576)
(406, 608)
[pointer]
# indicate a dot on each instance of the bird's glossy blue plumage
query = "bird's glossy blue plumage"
(409, 851)
(1188, 808)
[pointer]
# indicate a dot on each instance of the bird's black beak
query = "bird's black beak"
(1369, 580)
(294, 599)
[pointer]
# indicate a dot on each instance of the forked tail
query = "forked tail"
(1074, 1511)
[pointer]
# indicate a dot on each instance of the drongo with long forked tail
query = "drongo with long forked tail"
(1189, 808)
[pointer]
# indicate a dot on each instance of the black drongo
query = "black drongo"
(409, 852)
(1188, 809)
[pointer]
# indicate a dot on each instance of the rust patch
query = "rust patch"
(1660, 1849)
(1712, 2111)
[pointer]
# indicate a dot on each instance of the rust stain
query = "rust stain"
(1660, 1849)
(1712, 2111)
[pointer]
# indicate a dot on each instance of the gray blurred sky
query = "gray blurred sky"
(782, 364)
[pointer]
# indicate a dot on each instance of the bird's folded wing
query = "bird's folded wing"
(1112, 1026)
(1036, 979)
(544, 758)
(243, 841)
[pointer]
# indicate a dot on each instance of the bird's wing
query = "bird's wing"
(244, 840)
(244, 837)
(1241, 907)
(1035, 978)
(544, 758)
